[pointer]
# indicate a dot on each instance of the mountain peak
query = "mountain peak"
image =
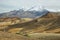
(36, 8)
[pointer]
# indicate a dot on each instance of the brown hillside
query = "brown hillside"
(49, 23)
(5, 22)
(51, 15)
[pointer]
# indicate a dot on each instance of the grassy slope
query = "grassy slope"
(10, 36)
(45, 36)
(49, 23)
(36, 36)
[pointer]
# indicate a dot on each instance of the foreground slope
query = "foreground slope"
(9, 36)
(36, 36)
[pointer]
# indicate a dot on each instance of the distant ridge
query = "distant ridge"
(30, 13)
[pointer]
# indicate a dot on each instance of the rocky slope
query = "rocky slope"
(24, 14)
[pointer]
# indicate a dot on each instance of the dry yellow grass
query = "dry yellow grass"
(45, 36)
(10, 36)
(15, 30)
(34, 36)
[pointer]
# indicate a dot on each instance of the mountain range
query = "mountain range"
(33, 12)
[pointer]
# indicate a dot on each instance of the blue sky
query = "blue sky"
(8, 5)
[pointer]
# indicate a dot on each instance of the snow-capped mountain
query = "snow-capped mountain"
(33, 12)
(36, 8)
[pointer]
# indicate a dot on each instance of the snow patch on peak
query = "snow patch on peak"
(36, 8)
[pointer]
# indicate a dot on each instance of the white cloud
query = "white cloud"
(17, 4)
